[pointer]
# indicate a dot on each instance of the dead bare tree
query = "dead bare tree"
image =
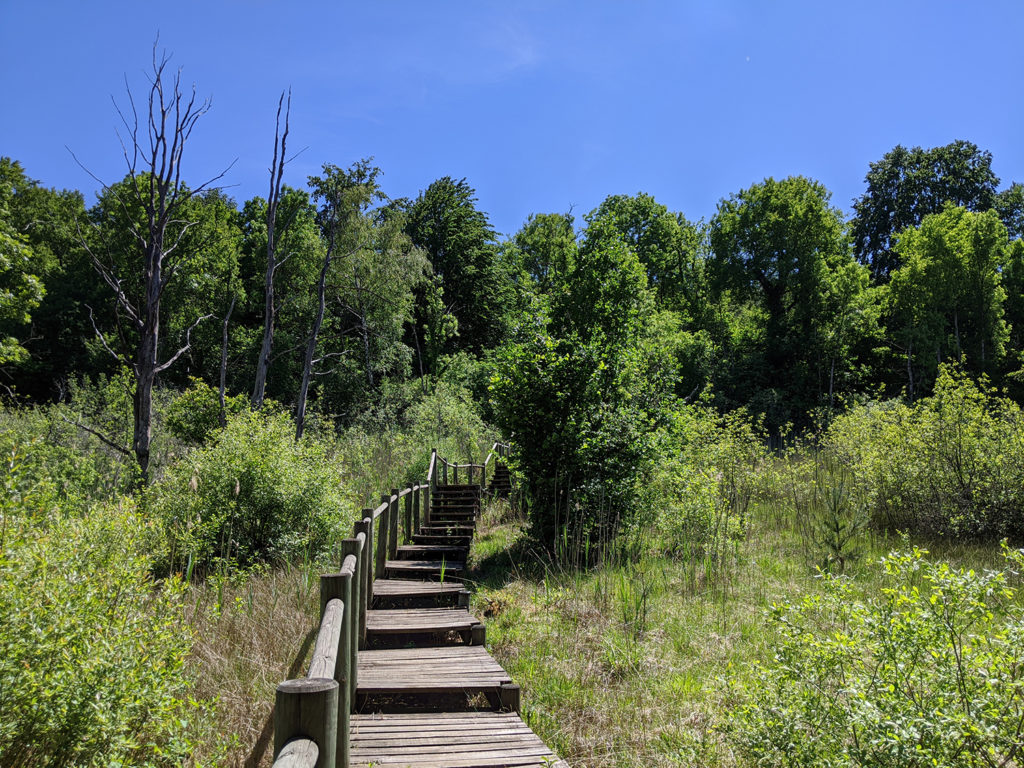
(153, 152)
(269, 310)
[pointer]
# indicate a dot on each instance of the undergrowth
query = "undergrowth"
(645, 663)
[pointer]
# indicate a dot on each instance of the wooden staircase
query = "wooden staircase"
(400, 674)
(428, 693)
(501, 482)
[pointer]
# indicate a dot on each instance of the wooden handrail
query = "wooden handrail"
(311, 726)
(325, 652)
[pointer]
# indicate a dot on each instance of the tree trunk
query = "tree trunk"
(269, 311)
(910, 370)
(222, 394)
(263, 364)
(307, 363)
(146, 360)
(956, 330)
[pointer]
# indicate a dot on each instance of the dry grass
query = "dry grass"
(251, 633)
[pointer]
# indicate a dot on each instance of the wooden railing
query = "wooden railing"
(498, 449)
(311, 719)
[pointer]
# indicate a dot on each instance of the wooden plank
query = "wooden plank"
(418, 620)
(422, 670)
(448, 740)
(414, 588)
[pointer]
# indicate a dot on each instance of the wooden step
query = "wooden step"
(425, 569)
(433, 593)
(447, 529)
(427, 539)
(448, 669)
(431, 552)
(415, 621)
(463, 518)
(449, 739)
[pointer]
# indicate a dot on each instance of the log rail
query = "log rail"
(314, 716)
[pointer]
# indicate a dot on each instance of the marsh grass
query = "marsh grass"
(625, 664)
(252, 631)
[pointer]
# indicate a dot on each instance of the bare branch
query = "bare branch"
(188, 345)
(119, 448)
(102, 338)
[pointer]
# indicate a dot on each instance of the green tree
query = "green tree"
(298, 255)
(20, 290)
(545, 249)
(580, 392)
(47, 221)
(947, 297)
(460, 243)
(1010, 207)
(781, 250)
(666, 243)
(908, 184)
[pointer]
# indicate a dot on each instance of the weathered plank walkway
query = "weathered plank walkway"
(428, 695)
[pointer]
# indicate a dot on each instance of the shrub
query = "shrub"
(92, 653)
(194, 414)
(253, 494)
(704, 477)
(927, 673)
(952, 463)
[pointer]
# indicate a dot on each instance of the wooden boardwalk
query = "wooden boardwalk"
(428, 695)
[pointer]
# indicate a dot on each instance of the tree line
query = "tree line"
(579, 336)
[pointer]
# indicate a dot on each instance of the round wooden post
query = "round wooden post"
(416, 509)
(308, 708)
(352, 548)
(382, 539)
(444, 477)
(455, 471)
(408, 515)
(393, 525)
(364, 528)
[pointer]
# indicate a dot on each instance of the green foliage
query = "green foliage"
(253, 494)
(92, 653)
(668, 246)
(798, 308)
(194, 415)
(583, 393)
(952, 463)
(460, 243)
(703, 480)
(831, 509)
(926, 673)
(21, 289)
(947, 297)
(908, 184)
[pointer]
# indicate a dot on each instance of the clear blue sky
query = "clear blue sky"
(540, 105)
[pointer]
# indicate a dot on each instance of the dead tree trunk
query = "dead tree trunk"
(153, 153)
(269, 310)
(314, 334)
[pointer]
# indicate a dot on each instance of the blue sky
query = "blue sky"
(539, 105)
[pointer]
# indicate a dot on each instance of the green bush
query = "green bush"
(952, 463)
(253, 494)
(927, 673)
(92, 653)
(703, 480)
(194, 414)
